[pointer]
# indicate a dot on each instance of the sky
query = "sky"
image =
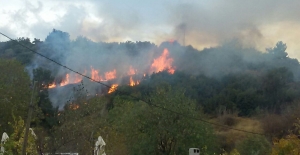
(200, 23)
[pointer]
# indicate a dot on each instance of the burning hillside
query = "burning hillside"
(128, 63)
(163, 62)
(132, 76)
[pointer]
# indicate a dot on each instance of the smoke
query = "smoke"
(84, 56)
(201, 24)
(217, 22)
(222, 34)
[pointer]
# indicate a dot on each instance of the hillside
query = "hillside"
(141, 97)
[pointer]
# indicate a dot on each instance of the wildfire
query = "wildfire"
(52, 85)
(78, 78)
(112, 88)
(163, 63)
(110, 75)
(65, 81)
(74, 106)
(132, 83)
(95, 75)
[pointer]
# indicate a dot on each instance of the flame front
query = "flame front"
(110, 75)
(95, 75)
(132, 83)
(74, 106)
(163, 63)
(112, 88)
(52, 85)
(65, 81)
(70, 80)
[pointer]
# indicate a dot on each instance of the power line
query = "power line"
(151, 104)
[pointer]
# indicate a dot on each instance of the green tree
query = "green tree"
(44, 79)
(15, 93)
(275, 85)
(15, 142)
(152, 130)
(79, 124)
(12, 50)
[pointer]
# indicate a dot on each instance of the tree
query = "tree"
(275, 85)
(12, 50)
(15, 92)
(14, 144)
(152, 130)
(79, 124)
(44, 79)
(279, 51)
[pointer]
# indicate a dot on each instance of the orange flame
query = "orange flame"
(52, 85)
(71, 79)
(65, 81)
(77, 79)
(163, 63)
(110, 75)
(95, 75)
(74, 106)
(132, 83)
(112, 88)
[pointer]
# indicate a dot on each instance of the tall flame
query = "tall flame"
(163, 63)
(65, 81)
(110, 75)
(70, 80)
(95, 75)
(132, 83)
(76, 79)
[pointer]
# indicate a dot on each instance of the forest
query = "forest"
(228, 100)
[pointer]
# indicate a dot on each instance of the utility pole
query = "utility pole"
(30, 111)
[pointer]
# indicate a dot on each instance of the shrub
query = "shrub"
(254, 145)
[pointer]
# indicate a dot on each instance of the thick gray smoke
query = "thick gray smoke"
(235, 29)
(84, 56)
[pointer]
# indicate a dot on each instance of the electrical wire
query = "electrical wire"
(122, 92)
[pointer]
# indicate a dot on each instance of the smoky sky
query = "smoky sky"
(202, 23)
